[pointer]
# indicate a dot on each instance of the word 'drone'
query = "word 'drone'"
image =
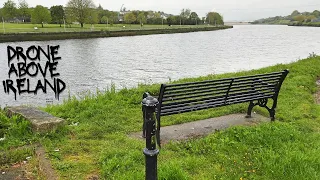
(24, 65)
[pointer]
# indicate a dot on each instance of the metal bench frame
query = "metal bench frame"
(194, 96)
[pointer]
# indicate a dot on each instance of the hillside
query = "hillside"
(295, 18)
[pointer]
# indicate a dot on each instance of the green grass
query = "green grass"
(17, 133)
(99, 144)
(311, 24)
(27, 28)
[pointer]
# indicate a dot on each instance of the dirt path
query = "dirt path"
(23, 170)
(15, 172)
(45, 165)
(204, 127)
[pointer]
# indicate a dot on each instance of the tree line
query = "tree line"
(86, 12)
(294, 17)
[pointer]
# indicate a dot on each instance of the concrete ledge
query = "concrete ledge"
(204, 127)
(40, 120)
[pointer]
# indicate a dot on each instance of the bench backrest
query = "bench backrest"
(186, 97)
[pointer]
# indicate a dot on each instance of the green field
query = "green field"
(25, 28)
(96, 142)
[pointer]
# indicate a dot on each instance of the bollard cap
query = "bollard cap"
(150, 101)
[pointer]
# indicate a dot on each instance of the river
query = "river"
(91, 64)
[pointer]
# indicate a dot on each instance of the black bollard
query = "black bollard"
(151, 152)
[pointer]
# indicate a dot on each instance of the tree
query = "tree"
(194, 18)
(24, 10)
(92, 17)
(142, 18)
(316, 13)
(310, 18)
(104, 20)
(214, 18)
(9, 9)
(300, 18)
(295, 13)
(100, 13)
(100, 8)
(57, 14)
(173, 20)
(80, 10)
(129, 18)
(113, 17)
(1, 14)
(194, 15)
(154, 18)
(157, 15)
(184, 15)
(40, 15)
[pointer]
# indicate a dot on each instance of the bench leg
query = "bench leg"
(251, 105)
(272, 113)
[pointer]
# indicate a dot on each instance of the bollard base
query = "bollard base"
(151, 164)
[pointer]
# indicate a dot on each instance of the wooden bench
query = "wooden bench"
(194, 96)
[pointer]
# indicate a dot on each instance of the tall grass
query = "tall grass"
(14, 132)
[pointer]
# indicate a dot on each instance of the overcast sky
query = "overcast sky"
(232, 10)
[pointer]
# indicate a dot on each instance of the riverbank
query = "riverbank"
(305, 24)
(295, 24)
(13, 37)
(95, 142)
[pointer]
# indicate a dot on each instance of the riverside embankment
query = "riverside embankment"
(13, 37)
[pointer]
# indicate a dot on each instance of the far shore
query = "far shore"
(46, 36)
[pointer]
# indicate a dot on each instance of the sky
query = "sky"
(231, 10)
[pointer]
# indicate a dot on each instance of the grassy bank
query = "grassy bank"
(16, 133)
(316, 24)
(30, 28)
(78, 33)
(95, 142)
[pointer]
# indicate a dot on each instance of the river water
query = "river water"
(91, 64)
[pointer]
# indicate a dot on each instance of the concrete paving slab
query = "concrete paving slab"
(41, 121)
(204, 127)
